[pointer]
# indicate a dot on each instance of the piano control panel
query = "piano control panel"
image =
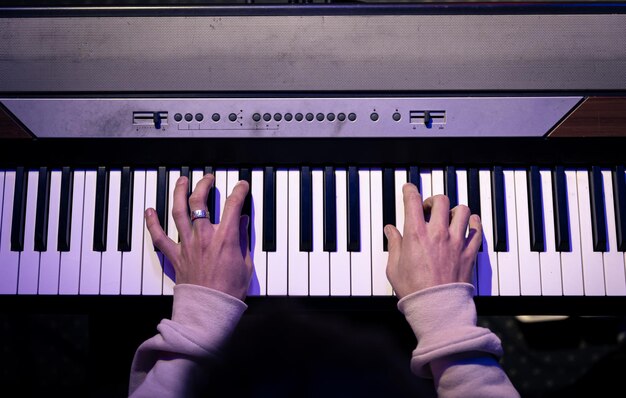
(290, 117)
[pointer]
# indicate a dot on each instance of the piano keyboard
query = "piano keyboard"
(315, 231)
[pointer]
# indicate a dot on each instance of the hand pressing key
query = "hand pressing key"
(211, 255)
(431, 251)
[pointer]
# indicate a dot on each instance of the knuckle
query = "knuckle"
(179, 212)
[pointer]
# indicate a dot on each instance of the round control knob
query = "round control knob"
(288, 117)
(319, 117)
(267, 117)
(299, 117)
(374, 116)
(352, 116)
(232, 117)
(256, 117)
(397, 116)
(199, 117)
(341, 117)
(216, 117)
(188, 117)
(309, 116)
(330, 117)
(178, 117)
(278, 117)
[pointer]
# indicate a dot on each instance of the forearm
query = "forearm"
(173, 362)
(460, 356)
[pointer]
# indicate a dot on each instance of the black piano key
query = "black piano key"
(306, 209)
(211, 198)
(269, 210)
(619, 199)
(65, 210)
(125, 231)
(499, 213)
(450, 186)
(246, 175)
(19, 210)
(389, 201)
(414, 177)
(186, 172)
(561, 212)
(41, 214)
(535, 211)
(161, 198)
(598, 220)
(102, 209)
(473, 191)
(330, 210)
(353, 211)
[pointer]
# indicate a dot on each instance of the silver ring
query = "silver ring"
(198, 214)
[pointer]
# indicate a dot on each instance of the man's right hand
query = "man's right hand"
(431, 250)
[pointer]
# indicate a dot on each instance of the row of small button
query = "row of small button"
(288, 117)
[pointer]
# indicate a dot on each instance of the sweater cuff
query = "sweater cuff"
(443, 319)
(207, 315)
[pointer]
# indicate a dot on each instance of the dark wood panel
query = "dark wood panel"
(9, 128)
(595, 117)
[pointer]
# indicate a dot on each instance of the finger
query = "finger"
(413, 209)
(198, 201)
(179, 209)
(394, 246)
(438, 207)
(475, 237)
(159, 238)
(233, 205)
(459, 216)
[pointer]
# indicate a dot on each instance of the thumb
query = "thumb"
(394, 245)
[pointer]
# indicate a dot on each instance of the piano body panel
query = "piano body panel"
(304, 48)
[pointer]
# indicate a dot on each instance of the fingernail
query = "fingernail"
(207, 175)
(148, 212)
(181, 181)
(386, 231)
(246, 220)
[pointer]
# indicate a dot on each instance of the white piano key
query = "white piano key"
(69, 278)
(131, 261)
(361, 261)
(172, 232)
(571, 262)
(400, 178)
(319, 260)
(9, 260)
(508, 266)
(196, 176)
(340, 260)
(462, 195)
(298, 284)
(593, 266)
(487, 260)
(380, 283)
(152, 271)
(529, 269)
(220, 193)
(111, 270)
(28, 279)
(258, 284)
(550, 259)
(277, 261)
(426, 182)
(232, 177)
(90, 260)
(615, 279)
(438, 182)
(50, 259)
